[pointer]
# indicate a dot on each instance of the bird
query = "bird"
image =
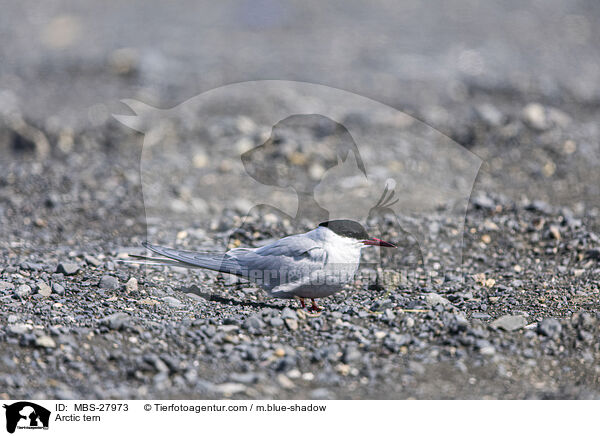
(312, 265)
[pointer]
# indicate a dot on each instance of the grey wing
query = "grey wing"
(287, 260)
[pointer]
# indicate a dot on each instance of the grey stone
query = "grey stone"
(91, 260)
(510, 323)
(116, 321)
(67, 268)
(291, 323)
(6, 285)
(45, 341)
(58, 289)
(109, 283)
(550, 327)
(173, 302)
(351, 354)
(435, 299)
(43, 288)
(289, 313)
(131, 285)
(254, 324)
(19, 329)
(23, 291)
(276, 321)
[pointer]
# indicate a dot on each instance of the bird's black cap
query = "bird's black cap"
(347, 228)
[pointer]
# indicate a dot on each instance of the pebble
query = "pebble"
(19, 329)
(276, 321)
(23, 291)
(91, 260)
(45, 341)
(434, 299)
(291, 323)
(108, 282)
(116, 321)
(510, 323)
(285, 382)
(351, 354)
(321, 394)
(6, 285)
(173, 302)
(67, 268)
(229, 389)
(58, 289)
(550, 327)
(289, 313)
(131, 285)
(43, 289)
(254, 324)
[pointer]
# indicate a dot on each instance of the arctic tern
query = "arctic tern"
(314, 264)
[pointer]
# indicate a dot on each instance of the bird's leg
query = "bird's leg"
(314, 306)
(302, 302)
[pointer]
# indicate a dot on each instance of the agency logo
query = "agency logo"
(26, 415)
(272, 158)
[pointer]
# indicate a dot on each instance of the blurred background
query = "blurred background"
(475, 71)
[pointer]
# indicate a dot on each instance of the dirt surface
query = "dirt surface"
(515, 83)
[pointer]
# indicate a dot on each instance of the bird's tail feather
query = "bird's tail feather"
(191, 259)
(155, 261)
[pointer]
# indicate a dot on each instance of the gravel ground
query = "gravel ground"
(518, 318)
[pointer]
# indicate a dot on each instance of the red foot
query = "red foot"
(302, 303)
(314, 307)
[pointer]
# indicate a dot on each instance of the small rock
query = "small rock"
(91, 260)
(510, 323)
(67, 268)
(490, 114)
(245, 378)
(285, 382)
(291, 323)
(228, 328)
(116, 321)
(228, 389)
(380, 334)
(592, 253)
(6, 285)
(488, 350)
(321, 394)
(23, 291)
(58, 289)
(43, 289)
(158, 364)
(173, 302)
(45, 341)
(484, 202)
(289, 313)
(19, 329)
(276, 321)
(434, 299)
(549, 327)
(131, 285)
(351, 354)
(254, 324)
(534, 115)
(108, 282)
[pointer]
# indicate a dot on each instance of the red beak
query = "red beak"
(379, 242)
